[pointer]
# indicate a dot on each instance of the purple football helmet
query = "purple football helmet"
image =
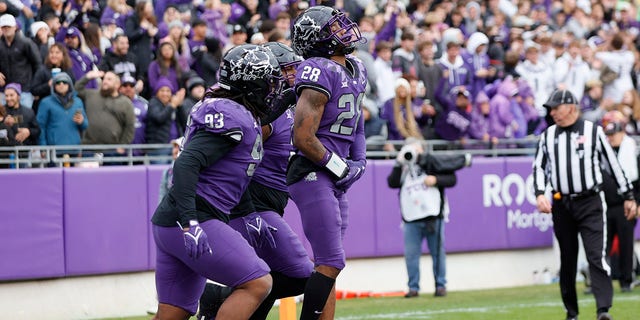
(322, 31)
(286, 58)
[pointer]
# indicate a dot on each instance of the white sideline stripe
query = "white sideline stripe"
(429, 314)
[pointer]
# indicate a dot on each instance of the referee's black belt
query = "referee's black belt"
(581, 195)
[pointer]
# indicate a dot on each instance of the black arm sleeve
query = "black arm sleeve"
(203, 150)
(441, 163)
(446, 180)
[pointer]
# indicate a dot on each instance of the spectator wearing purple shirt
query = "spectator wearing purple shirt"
(118, 10)
(140, 107)
(480, 126)
(477, 60)
(81, 60)
(454, 124)
(216, 14)
(503, 122)
(455, 72)
(165, 65)
(398, 113)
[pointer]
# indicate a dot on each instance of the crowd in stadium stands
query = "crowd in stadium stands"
(438, 69)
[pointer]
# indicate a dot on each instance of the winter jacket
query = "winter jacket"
(56, 120)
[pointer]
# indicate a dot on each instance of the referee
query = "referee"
(568, 157)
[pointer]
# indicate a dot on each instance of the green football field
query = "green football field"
(521, 303)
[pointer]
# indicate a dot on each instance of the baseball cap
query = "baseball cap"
(559, 97)
(127, 79)
(7, 20)
(613, 121)
(238, 28)
(460, 90)
(73, 32)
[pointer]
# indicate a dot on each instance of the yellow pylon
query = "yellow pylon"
(288, 309)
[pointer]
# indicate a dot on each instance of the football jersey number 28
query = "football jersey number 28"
(347, 101)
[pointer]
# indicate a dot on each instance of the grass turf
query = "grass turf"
(519, 303)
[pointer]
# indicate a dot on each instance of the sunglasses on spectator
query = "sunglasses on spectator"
(59, 82)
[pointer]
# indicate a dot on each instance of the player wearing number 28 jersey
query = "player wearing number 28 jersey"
(329, 135)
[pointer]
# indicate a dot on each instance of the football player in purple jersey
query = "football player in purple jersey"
(328, 132)
(222, 147)
(259, 218)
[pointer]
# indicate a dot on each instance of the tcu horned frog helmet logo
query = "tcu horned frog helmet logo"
(322, 31)
(252, 70)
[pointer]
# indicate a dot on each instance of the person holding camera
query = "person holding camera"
(422, 178)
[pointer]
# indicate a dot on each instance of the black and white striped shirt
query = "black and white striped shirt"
(569, 158)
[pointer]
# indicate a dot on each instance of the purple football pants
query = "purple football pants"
(289, 256)
(180, 279)
(324, 214)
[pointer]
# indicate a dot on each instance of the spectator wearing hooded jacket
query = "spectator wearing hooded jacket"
(455, 72)
(503, 123)
(535, 123)
(569, 71)
(480, 127)
(81, 57)
(61, 115)
(477, 60)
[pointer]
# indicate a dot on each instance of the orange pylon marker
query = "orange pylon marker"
(288, 308)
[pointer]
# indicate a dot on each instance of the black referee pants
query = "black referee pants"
(585, 216)
(618, 224)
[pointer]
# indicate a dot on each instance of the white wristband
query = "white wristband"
(336, 165)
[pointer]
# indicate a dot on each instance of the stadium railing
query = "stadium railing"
(54, 156)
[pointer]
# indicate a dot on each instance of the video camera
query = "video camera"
(408, 154)
(411, 155)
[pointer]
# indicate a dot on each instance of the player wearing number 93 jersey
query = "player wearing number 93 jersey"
(329, 135)
(221, 149)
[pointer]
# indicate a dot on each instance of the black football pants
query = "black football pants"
(586, 217)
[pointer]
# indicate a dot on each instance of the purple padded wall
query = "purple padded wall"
(388, 241)
(106, 220)
(31, 243)
(360, 236)
(154, 177)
